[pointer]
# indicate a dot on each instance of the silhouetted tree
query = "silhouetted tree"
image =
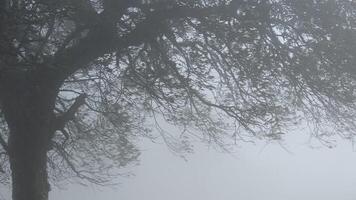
(78, 78)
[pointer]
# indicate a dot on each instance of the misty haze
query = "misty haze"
(177, 99)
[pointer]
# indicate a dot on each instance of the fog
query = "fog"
(80, 80)
(301, 169)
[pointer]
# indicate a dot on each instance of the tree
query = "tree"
(79, 77)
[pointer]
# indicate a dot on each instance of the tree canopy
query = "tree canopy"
(222, 70)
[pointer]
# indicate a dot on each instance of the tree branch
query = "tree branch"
(67, 158)
(62, 120)
(100, 40)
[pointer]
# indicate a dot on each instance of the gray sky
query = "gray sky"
(254, 172)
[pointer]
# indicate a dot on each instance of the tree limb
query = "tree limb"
(99, 41)
(62, 120)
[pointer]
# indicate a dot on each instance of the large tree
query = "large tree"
(78, 78)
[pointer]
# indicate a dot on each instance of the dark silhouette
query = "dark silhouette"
(79, 77)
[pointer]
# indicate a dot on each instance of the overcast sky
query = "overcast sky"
(254, 172)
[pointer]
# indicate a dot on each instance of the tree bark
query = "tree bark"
(28, 108)
(29, 168)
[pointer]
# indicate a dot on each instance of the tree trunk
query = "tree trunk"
(28, 161)
(28, 108)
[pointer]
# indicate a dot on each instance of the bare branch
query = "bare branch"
(96, 44)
